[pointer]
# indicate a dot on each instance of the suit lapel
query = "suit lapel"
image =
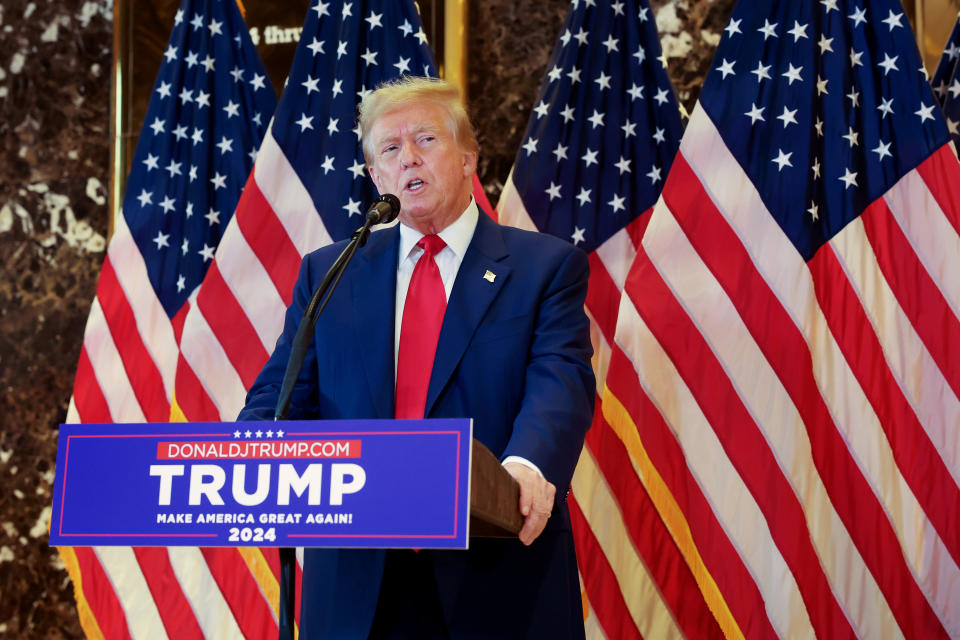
(470, 298)
(374, 285)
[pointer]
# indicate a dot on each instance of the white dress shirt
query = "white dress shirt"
(457, 236)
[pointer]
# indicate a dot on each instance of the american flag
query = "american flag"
(309, 187)
(600, 141)
(946, 83)
(787, 352)
(208, 110)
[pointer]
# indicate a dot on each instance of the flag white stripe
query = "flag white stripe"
(120, 565)
(775, 414)
(153, 324)
(510, 209)
(650, 613)
(601, 354)
(202, 592)
(289, 199)
(617, 254)
(108, 369)
(209, 362)
(591, 626)
(928, 231)
(785, 271)
(251, 285)
(717, 479)
(912, 366)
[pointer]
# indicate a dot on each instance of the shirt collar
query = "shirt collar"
(457, 235)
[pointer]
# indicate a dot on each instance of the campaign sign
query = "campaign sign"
(303, 483)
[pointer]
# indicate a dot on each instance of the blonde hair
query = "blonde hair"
(411, 89)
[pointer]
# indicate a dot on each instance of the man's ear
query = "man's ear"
(469, 163)
(375, 177)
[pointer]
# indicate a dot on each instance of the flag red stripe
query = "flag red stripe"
(788, 354)
(192, 398)
(918, 295)
(941, 173)
(650, 536)
(142, 372)
(178, 320)
(231, 326)
(241, 592)
(721, 559)
(603, 298)
(87, 396)
(739, 435)
(175, 611)
(98, 591)
(603, 591)
(638, 227)
(268, 239)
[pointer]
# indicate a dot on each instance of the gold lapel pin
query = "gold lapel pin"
(489, 276)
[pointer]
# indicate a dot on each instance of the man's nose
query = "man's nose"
(409, 156)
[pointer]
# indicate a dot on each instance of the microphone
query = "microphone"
(384, 209)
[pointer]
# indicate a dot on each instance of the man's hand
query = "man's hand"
(536, 500)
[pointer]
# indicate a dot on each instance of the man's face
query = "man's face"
(416, 158)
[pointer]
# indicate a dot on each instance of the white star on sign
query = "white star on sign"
(755, 113)
(629, 129)
(164, 89)
(883, 149)
(560, 152)
(327, 165)
(925, 113)
(356, 169)
(611, 44)
(214, 27)
(813, 210)
(151, 161)
(337, 88)
(726, 68)
(352, 207)
(197, 136)
(145, 197)
(829, 4)
(584, 196)
(889, 64)
(374, 20)
(617, 203)
(577, 236)
(654, 174)
(162, 240)
(257, 81)
(191, 60)
(332, 126)
(237, 74)
(181, 283)
(186, 95)
(555, 73)
(167, 204)
(553, 191)
(893, 20)
(886, 107)
(640, 55)
(822, 86)
(782, 160)
(851, 137)
(658, 135)
(824, 43)
(854, 96)
(581, 36)
(603, 81)
(859, 16)
(341, 48)
(157, 126)
(541, 109)
(855, 58)
(370, 57)
(768, 30)
(185, 246)
(849, 178)
(661, 96)
(321, 9)
(213, 216)
(218, 181)
(225, 145)
(173, 168)
(816, 168)
(203, 99)
(403, 66)
(793, 73)
(406, 28)
(170, 54)
(305, 122)
(574, 75)
(208, 63)
(310, 84)
(530, 146)
(635, 92)
(798, 31)
(346, 11)
(623, 165)
(590, 157)
(567, 113)
(206, 252)
(596, 119)
(762, 71)
(733, 27)
(316, 46)
(180, 132)
(787, 117)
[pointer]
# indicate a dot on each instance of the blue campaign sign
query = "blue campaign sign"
(305, 483)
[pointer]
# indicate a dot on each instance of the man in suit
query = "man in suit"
(457, 317)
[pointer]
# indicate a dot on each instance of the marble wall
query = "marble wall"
(55, 61)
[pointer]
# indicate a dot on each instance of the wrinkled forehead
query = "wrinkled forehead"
(411, 118)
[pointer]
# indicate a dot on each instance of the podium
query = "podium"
(494, 497)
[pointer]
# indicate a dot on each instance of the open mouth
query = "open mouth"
(415, 184)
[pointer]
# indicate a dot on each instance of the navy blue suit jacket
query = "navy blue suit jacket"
(514, 355)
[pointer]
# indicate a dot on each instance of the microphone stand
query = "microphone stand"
(298, 352)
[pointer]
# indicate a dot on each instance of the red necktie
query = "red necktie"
(419, 331)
